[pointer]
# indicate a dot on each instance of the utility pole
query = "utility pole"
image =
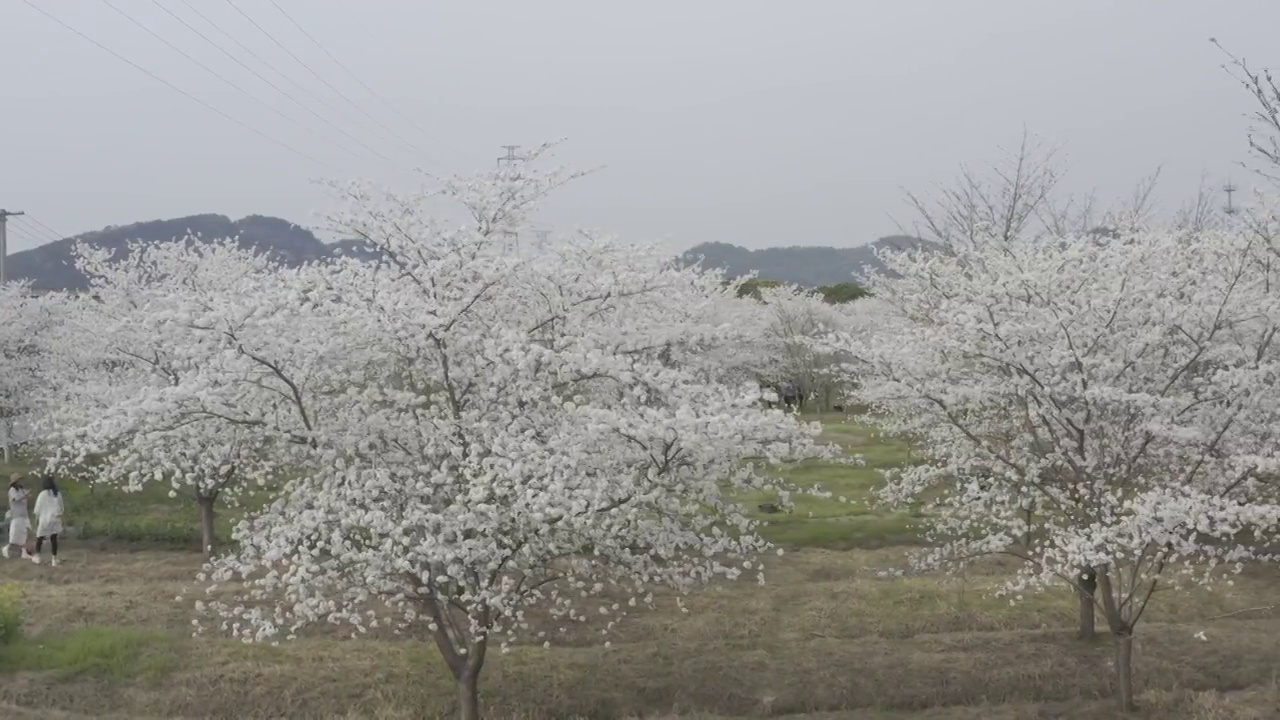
(511, 159)
(542, 236)
(4, 241)
(1229, 189)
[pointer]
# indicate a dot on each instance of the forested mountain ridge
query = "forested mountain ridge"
(808, 266)
(52, 266)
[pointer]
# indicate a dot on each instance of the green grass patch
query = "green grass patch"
(11, 606)
(149, 515)
(844, 533)
(115, 653)
(851, 518)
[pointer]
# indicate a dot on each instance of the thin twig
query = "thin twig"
(1238, 612)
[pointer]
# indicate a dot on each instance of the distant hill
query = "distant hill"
(52, 267)
(800, 265)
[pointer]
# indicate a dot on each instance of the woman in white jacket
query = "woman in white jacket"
(48, 519)
(19, 518)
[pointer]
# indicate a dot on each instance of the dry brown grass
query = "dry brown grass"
(827, 636)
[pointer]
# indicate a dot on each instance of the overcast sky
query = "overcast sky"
(757, 123)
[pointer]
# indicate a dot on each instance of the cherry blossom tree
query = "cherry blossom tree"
(1102, 408)
(793, 319)
(26, 321)
(514, 433)
(186, 366)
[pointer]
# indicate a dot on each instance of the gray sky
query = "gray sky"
(751, 122)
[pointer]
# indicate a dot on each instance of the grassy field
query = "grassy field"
(855, 522)
(827, 637)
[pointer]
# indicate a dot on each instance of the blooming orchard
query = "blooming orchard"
(461, 439)
(465, 434)
(1102, 408)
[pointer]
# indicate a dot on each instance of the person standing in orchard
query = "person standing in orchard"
(19, 518)
(791, 395)
(48, 519)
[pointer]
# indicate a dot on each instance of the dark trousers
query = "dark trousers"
(53, 544)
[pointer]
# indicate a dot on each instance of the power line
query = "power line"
(56, 235)
(223, 78)
(171, 86)
(258, 75)
(36, 233)
(318, 76)
(355, 77)
(356, 21)
(18, 231)
(4, 239)
(249, 51)
(14, 231)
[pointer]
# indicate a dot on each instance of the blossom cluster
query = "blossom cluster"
(1093, 405)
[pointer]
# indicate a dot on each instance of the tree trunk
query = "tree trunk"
(465, 658)
(469, 696)
(469, 682)
(1086, 586)
(467, 672)
(1124, 671)
(206, 523)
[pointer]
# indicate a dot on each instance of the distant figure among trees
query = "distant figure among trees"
(791, 396)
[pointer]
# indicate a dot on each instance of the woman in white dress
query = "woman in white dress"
(48, 519)
(19, 518)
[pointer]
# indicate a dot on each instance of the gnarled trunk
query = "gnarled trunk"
(206, 522)
(1086, 587)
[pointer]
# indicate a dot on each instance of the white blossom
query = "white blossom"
(1094, 406)
(462, 433)
(27, 322)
